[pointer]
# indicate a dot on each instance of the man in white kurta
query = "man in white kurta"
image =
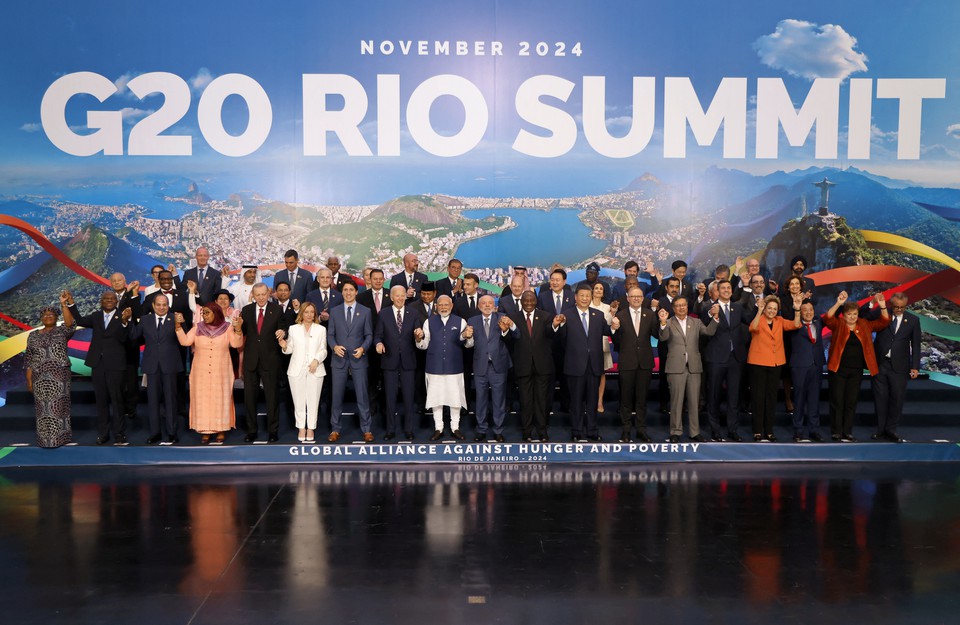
(443, 336)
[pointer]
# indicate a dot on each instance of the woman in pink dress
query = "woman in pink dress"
(211, 377)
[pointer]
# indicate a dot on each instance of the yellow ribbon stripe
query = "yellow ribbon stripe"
(895, 243)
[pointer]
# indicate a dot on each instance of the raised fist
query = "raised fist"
(192, 287)
(715, 310)
(663, 315)
(134, 286)
(842, 297)
(178, 317)
(126, 314)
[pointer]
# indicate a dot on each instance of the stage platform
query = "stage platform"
(931, 429)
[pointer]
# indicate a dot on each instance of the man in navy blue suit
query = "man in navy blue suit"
(806, 372)
(325, 297)
(161, 363)
(107, 360)
(396, 345)
(556, 300)
(204, 276)
(510, 301)
(299, 279)
(725, 356)
(491, 363)
(582, 333)
(898, 356)
(349, 335)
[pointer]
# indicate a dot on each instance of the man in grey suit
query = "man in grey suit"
(349, 335)
(491, 362)
(898, 356)
(684, 367)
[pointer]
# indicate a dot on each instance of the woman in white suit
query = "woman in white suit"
(306, 343)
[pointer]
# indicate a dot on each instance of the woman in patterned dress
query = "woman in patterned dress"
(211, 376)
(48, 376)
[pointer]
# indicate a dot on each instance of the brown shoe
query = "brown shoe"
(334, 437)
(368, 437)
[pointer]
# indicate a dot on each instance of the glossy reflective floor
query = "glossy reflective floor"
(470, 544)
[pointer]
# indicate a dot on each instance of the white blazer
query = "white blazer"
(304, 349)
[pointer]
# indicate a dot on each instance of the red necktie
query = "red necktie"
(813, 339)
(259, 320)
(529, 325)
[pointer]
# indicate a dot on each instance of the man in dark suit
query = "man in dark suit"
(206, 277)
(397, 349)
(337, 278)
(510, 302)
(260, 322)
(128, 296)
(686, 290)
(533, 333)
(178, 298)
(898, 355)
(299, 279)
(281, 295)
(161, 364)
(452, 283)
(107, 360)
(752, 297)
(725, 356)
(375, 298)
(467, 305)
(324, 296)
(806, 372)
(635, 365)
(556, 300)
(410, 278)
(583, 339)
(631, 269)
(350, 336)
(491, 362)
(424, 308)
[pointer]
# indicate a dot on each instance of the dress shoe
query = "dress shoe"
(500, 438)
(173, 440)
(771, 438)
(715, 437)
(457, 434)
(733, 436)
(624, 437)
(368, 437)
(544, 438)
(480, 438)
(674, 438)
(153, 440)
(757, 438)
(643, 438)
(797, 438)
(527, 438)
(437, 435)
(408, 436)
(835, 438)
(273, 437)
(596, 438)
(249, 438)
(697, 439)
(848, 438)
(389, 436)
(815, 437)
(121, 440)
(334, 437)
(893, 437)
(103, 440)
(878, 436)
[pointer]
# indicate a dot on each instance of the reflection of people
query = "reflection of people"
(851, 351)
(48, 376)
(898, 351)
(306, 343)
(212, 412)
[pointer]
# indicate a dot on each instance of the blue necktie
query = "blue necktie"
(586, 325)
(349, 315)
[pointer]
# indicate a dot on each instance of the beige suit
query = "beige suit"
(684, 368)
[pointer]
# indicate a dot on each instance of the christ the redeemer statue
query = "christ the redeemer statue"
(824, 186)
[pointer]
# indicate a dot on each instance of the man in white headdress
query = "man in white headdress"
(243, 289)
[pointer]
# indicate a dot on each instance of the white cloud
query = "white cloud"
(121, 83)
(880, 136)
(200, 81)
(953, 130)
(132, 115)
(31, 127)
(810, 50)
(939, 152)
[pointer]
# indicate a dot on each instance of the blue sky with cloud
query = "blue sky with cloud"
(277, 43)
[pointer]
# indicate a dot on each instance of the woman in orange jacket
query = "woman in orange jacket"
(766, 357)
(848, 358)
